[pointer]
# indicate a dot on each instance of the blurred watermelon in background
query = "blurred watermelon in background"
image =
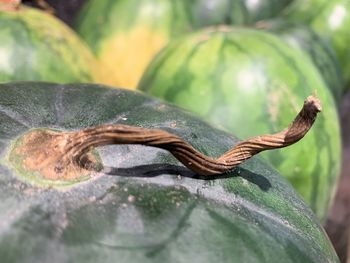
(37, 46)
(302, 37)
(126, 34)
(331, 19)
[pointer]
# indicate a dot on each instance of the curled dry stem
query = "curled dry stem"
(66, 155)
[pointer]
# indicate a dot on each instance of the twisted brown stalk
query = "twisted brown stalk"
(69, 150)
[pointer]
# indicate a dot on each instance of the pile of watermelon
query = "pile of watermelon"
(213, 72)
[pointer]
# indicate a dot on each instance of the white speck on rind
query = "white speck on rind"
(92, 199)
(131, 198)
(245, 182)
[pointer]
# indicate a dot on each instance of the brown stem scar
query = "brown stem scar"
(67, 155)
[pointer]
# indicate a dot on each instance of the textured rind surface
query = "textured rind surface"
(36, 46)
(251, 82)
(331, 19)
(148, 208)
(305, 39)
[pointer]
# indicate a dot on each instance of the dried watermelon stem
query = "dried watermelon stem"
(67, 154)
(84, 140)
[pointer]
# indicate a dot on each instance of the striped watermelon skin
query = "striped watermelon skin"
(36, 46)
(246, 12)
(209, 12)
(142, 210)
(126, 34)
(305, 39)
(235, 12)
(250, 82)
(331, 19)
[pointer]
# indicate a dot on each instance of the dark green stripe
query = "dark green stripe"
(91, 22)
(325, 143)
(10, 126)
(247, 241)
(315, 11)
(183, 8)
(228, 17)
(243, 10)
(290, 62)
(157, 63)
(324, 59)
(181, 77)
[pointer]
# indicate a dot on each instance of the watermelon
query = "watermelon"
(247, 12)
(249, 82)
(331, 19)
(36, 46)
(126, 34)
(305, 39)
(143, 206)
(236, 12)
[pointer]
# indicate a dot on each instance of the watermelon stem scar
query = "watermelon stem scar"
(67, 155)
